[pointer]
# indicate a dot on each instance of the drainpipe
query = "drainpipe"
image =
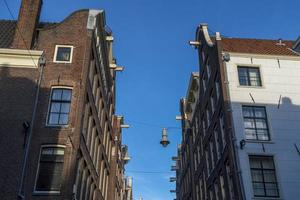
(235, 150)
(42, 63)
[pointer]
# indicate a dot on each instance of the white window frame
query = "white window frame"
(259, 67)
(49, 107)
(38, 169)
(55, 53)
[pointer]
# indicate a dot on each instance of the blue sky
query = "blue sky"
(151, 41)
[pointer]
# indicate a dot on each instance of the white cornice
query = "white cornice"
(248, 55)
(19, 58)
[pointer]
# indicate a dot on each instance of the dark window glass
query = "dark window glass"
(63, 54)
(255, 123)
(50, 169)
(60, 106)
(263, 175)
(249, 76)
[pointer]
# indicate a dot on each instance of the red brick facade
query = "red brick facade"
(87, 149)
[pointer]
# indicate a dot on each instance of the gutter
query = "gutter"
(42, 63)
(233, 139)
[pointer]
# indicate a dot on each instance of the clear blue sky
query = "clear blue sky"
(151, 41)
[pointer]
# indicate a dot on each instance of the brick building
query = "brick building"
(60, 137)
(241, 121)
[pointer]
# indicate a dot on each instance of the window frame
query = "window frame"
(49, 107)
(261, 156)
(249, 66)
(51, 192)
(266, 119)
(63, 46)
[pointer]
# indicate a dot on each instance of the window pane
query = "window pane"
(66, 96)
(53, 118)
(249, 123)
(257, 175)
(269, 176)
(243, 76)
(50, 170)
(258, 189)
(63, 54)
(268, 163)
(261, 123)
(271, 190)
(255, 163)
(260, 112)
(262, 134)
(63, 119)
(250, 134)
(60, 105)
(55, 107)
(56, 94)
(65, 108)
(248, 111)
(254, 76)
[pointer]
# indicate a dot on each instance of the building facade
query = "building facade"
(61, 138)
(244, 144)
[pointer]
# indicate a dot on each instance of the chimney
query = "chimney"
(28, 20)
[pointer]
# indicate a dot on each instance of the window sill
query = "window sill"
(46, 193)
(267, 198)
(259, 141)
(252, 87)
(65, 127)
(62, 62)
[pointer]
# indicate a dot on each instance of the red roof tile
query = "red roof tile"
(258, 46)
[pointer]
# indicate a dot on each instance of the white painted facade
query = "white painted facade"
(280, 77)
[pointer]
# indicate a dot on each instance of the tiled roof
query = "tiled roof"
(7, 31)
(258, 46)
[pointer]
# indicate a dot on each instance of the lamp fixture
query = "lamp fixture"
(164, 138)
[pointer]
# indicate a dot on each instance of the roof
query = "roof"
(258, 46)
(7, 32)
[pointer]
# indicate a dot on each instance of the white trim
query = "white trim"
(55, 53)
(19, 58)
(270, 141)
(237, 65)
(264, 154)
(49, 106)
(249, 55)
(38, 169)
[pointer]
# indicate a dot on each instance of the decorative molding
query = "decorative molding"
(19, 58)
(206, 34)
(248, 55)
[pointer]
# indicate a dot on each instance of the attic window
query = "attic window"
(63, 54)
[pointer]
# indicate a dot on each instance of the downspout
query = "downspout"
(235, 150)
(42, 63)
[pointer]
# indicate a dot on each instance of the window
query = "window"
(249, 76)
(255, 122)
(204, 83)
(217, 86)
(208, 68)
(63, 54)
(59, 106)
(212, 102)
(50, 169)
(222, 128)
(263, 175)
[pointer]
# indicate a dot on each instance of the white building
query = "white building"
(263, 78)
